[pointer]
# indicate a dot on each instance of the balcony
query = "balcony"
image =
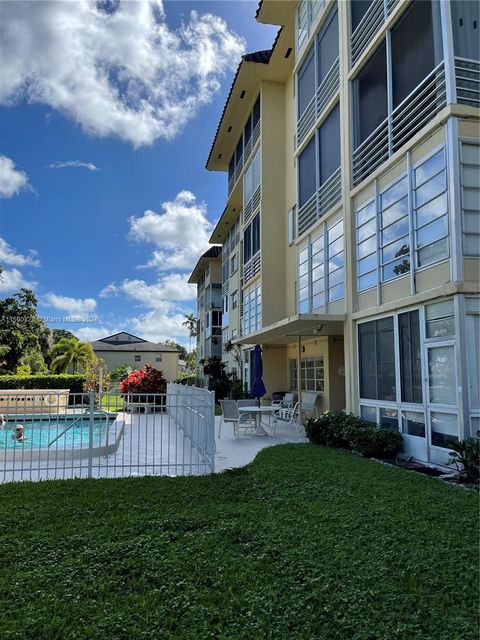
(247, 152)
(252, 267)
(375, 16)
(322, 97)
(320, 202)
(467, 80)
(252, 205)
(407, 119)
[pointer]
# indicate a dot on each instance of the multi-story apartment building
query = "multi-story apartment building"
(352, 152)
(207, 275)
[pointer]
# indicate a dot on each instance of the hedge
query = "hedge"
(42, 381)
(346, 431)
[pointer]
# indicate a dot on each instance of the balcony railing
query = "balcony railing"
(317, 104)
(252, 205)
(376, 14)
(320, 202)
(247, 151)
(252, 267)
(413, 113)
(467, 78)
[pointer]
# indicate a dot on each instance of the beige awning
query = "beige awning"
(289, 329)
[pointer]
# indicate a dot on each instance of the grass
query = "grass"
(303, 543)
(112, 403)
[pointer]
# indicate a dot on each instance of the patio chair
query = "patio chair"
(231, 414)
(285, 403)
(308, 404)
(289, 416)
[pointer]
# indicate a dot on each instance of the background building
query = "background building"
(353, 217)
(207, 275)
(124, 348)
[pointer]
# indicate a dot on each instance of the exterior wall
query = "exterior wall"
(453, 276)
(168, 363)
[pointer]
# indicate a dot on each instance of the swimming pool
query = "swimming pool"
(60, 432)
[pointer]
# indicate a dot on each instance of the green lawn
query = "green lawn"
(112, 403)
(303, 543)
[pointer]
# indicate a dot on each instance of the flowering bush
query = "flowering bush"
(148, 380)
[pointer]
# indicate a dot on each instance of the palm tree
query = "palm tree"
(70, 352)
(191, 323)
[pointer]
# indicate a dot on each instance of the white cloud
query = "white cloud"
(12, 280)
(76, 164)
(180, 233)
(88, 334)
(12, 180)
(76, 306)
(172, 287)
(9, 255)
(159, 327)
(116, 71)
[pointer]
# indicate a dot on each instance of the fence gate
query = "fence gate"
(46, 434)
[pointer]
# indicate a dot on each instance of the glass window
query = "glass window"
(292, 226)
(293, 375)
(410, 357)
(440, 320)
(234, 299)
(137, 358)
(368, 413)
(306, 82)
(303, 284)
(366, 247)
(307, 180)
(247, 132)
(377, 360)
(239, 151)
(394, 234)
(413, 423)
(327, 47)
(416, 48)
(302, 21)
(317, 271)
(256, 113)
(389, 418)
(470, 168)
(256, 234)
(465, 23)
(371, 95)
(441, 375)
(329, 145)
(336, 271)
(431, 209)
(444, 429)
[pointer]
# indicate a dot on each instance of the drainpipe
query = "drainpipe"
(299, 376)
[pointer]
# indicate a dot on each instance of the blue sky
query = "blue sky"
(107, 116)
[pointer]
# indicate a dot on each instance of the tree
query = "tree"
(93, 369)
(58, 334)
(191, 323)
(121, 372)
(22, 332)
(181, 349)
(191, 360)
(70, 352)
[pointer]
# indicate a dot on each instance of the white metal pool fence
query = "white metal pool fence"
(55, 434)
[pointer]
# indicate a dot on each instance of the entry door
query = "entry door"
(441, 397)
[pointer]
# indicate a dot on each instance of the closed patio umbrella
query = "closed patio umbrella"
(258, 388)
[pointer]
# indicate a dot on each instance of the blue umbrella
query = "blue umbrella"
(258, 388)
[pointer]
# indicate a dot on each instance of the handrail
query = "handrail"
(57, 437)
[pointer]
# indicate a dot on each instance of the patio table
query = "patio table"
(258, 412)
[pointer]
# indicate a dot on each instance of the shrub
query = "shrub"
(346, 431)
(466, 456)
(48, 381)
(148, 380)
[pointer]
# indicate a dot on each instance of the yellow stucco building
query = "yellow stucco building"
(352, 215)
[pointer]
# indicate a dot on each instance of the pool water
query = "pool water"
(39, 432)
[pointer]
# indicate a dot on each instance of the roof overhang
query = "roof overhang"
(243, 93)
(202, 264)
(288, 330)
(275, 11)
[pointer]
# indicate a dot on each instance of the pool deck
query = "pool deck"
(151, 444)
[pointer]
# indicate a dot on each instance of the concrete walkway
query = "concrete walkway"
(237, 452)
